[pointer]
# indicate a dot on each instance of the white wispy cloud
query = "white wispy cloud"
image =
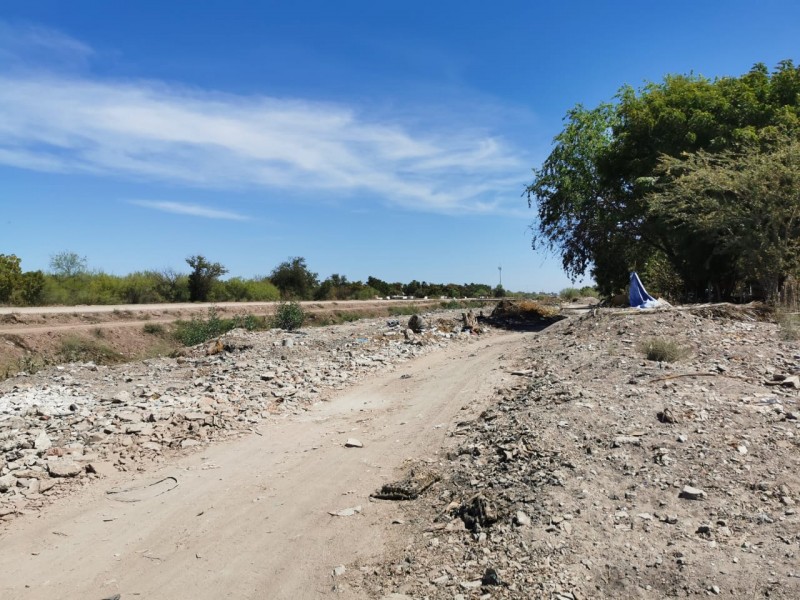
(194, 210)
(160, 132)
(29, 45)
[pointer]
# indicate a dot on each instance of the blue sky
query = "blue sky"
(385, 138)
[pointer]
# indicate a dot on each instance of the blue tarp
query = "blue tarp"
(638, 295)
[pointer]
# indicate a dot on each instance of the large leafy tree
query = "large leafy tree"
(294, 279)
(736, 215)
(593, 194)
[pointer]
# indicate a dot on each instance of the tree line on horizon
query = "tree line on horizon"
(692, 182)
(69, 282)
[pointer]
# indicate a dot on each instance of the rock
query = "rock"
(490, 577)
(792, 381)
(122, 397)
(522, 519)
(478, 512)
(667, 416)
(190, 443)
(471, 585)
(42, 442)
(64, 468)
(353, 443)
(194, 416)
(129, 416)
(623, 440)
(7, 482)
(692, 493)
(346, 512)
(416, 324)
(338, 571)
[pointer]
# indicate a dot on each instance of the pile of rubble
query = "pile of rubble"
(70, 424)
(600, 474)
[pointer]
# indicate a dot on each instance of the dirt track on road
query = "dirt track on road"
(249, 518)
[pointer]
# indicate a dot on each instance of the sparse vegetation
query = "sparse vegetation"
(78, 349)
(569, 294)
(790, 328)
(397, 311)
(154, 328)
(663, 350)
(289, 316)
(196, 331)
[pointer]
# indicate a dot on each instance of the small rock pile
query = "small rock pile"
(74, 423)
(604, 475)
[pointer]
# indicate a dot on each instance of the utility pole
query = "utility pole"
(500, 269)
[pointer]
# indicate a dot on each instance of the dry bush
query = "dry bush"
(532, 308)
(663, 350)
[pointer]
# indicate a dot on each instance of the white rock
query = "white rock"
(522, 519)
(42, 441)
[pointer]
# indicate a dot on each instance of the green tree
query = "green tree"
(31, 288)
(68, 264)
(10, 274)
(737, 215)
(294, 279)
(202, 277)
(593, 193)
(378, 284)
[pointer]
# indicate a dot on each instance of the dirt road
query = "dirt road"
(250, 518)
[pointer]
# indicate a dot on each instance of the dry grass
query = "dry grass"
(663, 350)
(532, 308)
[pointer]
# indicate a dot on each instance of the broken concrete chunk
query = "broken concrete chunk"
(692, 493)
(64, 468)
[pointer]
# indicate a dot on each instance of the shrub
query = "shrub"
(663, 350)
(197, 331)
(78, 349)
(154, 328)
(789, 324)
(289, 316)
(569, 294)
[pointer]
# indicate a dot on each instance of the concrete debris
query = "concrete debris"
(82, 421)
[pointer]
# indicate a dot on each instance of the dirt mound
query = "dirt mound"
(613, 476)
(523, 313)
(755, 311)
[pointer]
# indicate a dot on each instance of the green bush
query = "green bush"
(663, 350)
(197, 331)
(569, 294)
(289, 316)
